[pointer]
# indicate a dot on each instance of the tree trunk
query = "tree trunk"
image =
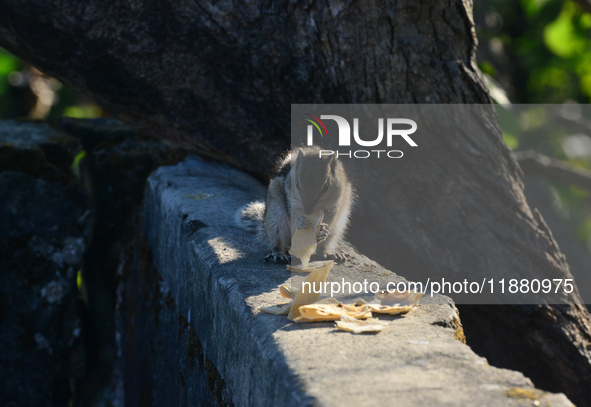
(220, 77)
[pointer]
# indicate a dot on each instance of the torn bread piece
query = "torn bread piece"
(332, 312)
(350, 324)
(390, 309)
(307, 295)
(303, 242)
(398, 297)
(277, 309)
(396, 309)
(292, 310)
(286, 292)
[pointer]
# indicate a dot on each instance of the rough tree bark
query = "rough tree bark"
(220, 76)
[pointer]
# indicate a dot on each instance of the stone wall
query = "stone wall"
(44, 222)
(113, 294)
(194, 335)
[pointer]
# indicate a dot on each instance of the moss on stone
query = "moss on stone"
(523, 393)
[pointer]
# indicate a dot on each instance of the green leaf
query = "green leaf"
(509, 123)
(8, 63)
(533, 7)
(87, 111)
(562, 37)
(584, 230)
(76, 162)
(511, 141)
(79, 280)
(487, 67)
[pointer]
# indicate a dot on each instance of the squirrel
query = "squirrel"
(302, 183)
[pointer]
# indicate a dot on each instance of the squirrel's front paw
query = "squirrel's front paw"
(302, 222)
(322, 233)
(278, 258)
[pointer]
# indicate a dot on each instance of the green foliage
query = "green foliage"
(79, 280)
(8, 64)
(565, 36)
(545, 45)
(547, 130)
(76, 162)
(8, 105)
(539, 51)
(85, 111)
(510, 140)
(27, 92)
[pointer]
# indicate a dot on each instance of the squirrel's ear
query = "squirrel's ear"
(299, 156)
(333, 162)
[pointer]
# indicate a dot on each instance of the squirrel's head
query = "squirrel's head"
(316, 181)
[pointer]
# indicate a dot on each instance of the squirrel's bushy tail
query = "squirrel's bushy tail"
(250, 217)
